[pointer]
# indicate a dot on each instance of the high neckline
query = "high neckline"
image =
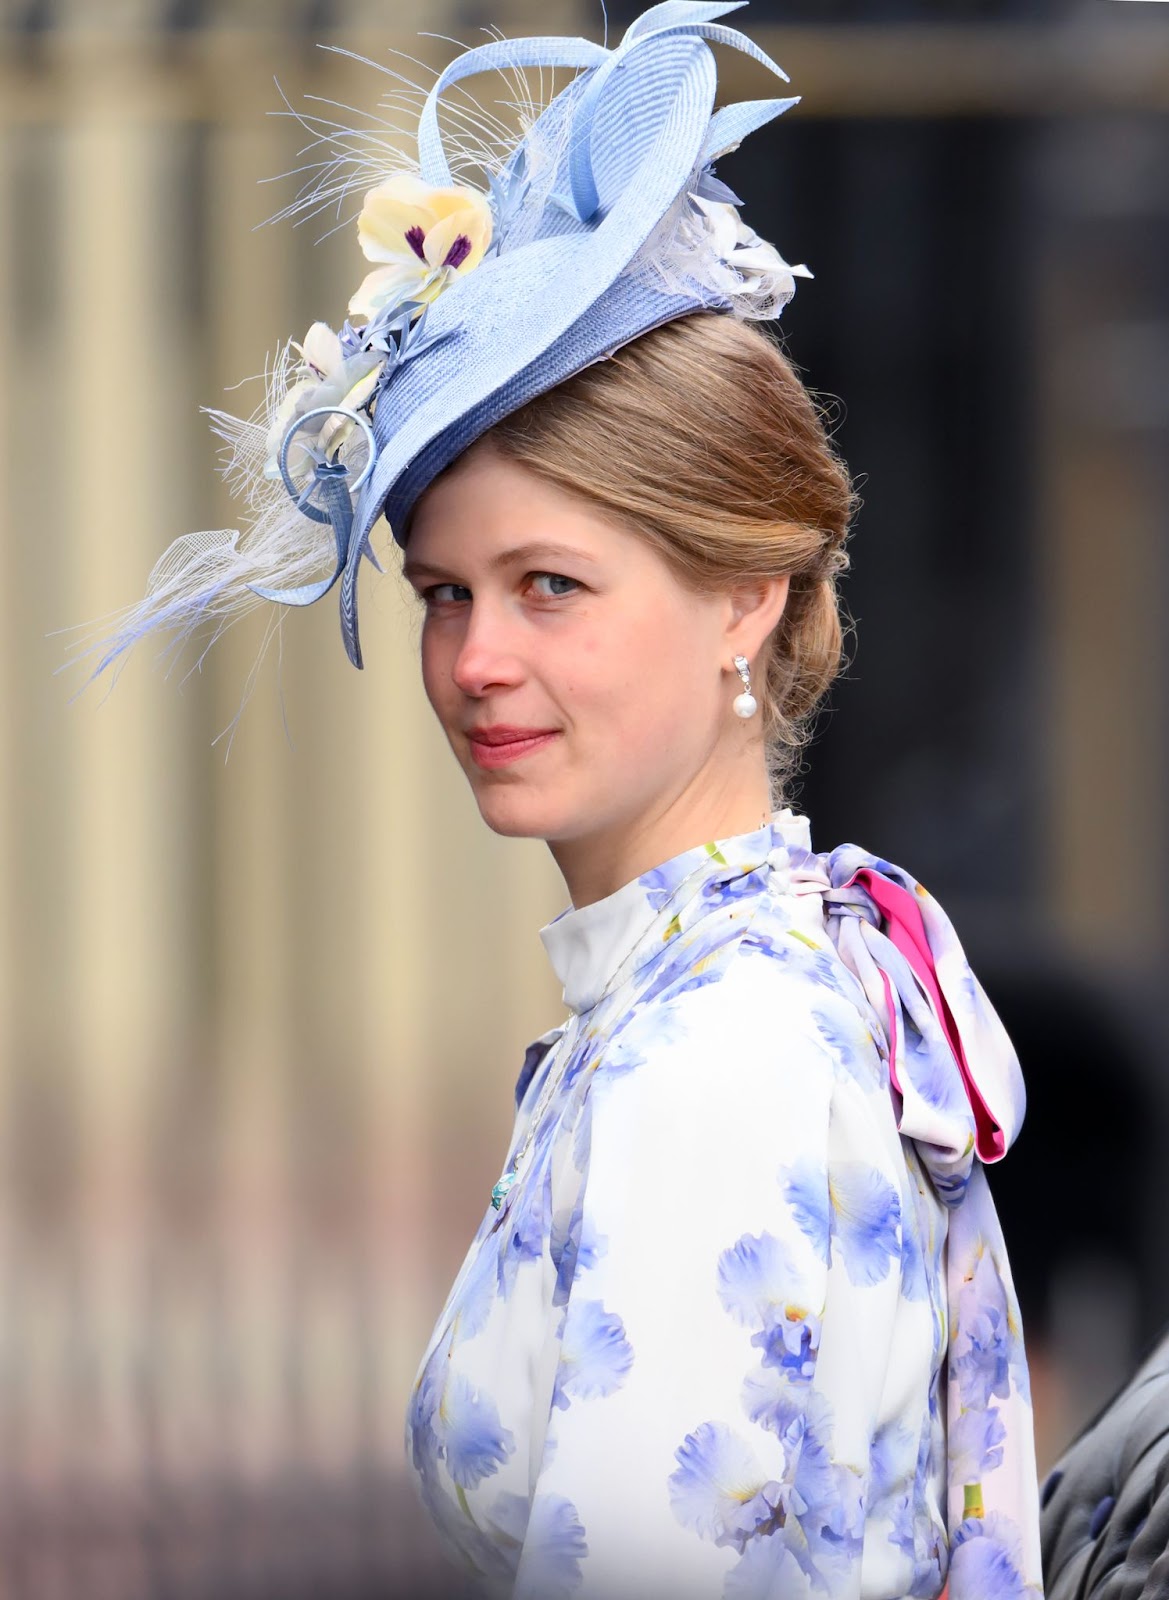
(593, 948)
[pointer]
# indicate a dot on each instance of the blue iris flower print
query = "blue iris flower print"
(626, 1055)
(988, 1350)
(595, 1356)
(472, 1547)
(582, 1133)
(833, 974)
(851, 1046)
(496, 1549)
(811, 1505)
(759, 1285)
(468, 1427)
(625, 1050)
(554, 1547)
(975, 1444)
(844, 1235)
(826, 1529)
(767, 1392)
(865, 1220)
(928, 1064)
(575, 1245)
(912, 1528)
(806, 1192)
(660, 884)
(765, 1569)
(857, 1210)
(914, 1272)
(775, 947)
(719, 1489)
(814, 1507)
(714, 890)
(424, 1444)
(986, 1559)
(476, 1297)
(894, 1463)
(536, 1052)
(687, 964)
(803, 1423)
(448, 1419)
(952, 1185)
(791, 1344)
(896, 1512)
(720, 892)
(892, 1459)
(509, 1516)
(758, 1280)
(929, 1568)
(647, 1029)
(529, 1203)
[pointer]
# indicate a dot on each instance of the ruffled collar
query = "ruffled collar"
(595, 948)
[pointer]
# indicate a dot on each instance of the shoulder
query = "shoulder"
(784, 975)
(774, 1015)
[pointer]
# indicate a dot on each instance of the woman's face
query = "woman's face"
(543, 617)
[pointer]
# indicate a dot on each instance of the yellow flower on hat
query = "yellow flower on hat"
(422, 237)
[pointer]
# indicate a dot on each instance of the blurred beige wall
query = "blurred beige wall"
(260, 1013)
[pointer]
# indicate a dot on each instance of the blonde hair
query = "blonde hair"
(700, 437)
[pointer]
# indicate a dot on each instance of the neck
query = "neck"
(599, 863)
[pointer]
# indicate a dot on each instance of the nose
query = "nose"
(486, 656)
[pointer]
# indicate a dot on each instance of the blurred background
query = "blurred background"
(266, 980)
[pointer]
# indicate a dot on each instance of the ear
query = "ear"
(754, 609)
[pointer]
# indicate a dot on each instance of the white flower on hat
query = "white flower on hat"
(423, 236)
(331, 378)
(752, 265)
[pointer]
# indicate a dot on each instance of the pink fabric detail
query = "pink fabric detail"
(906, 928)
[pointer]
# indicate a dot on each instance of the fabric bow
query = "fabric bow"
(952, 1066)
(958, 1090)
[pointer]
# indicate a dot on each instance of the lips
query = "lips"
(497, 736)
(508, 751)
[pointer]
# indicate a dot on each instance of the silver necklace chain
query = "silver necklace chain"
(551, 1082)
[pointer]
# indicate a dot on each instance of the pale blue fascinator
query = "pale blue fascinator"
(601, 222)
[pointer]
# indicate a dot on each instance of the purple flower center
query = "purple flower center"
(458, 252)
(414, 238)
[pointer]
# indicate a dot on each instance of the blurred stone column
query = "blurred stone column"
(1101, 405)
(122, 883)
(1102, 414)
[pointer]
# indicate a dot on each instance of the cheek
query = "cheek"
(435, 671)
(602, 669)
(644, 672)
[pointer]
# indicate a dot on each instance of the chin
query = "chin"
(519, 810)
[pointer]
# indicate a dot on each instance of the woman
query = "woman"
(738, 1320)
(698, 1345)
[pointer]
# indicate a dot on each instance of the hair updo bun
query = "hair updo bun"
(716, 453)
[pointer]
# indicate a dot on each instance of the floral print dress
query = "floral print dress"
(743, 1325)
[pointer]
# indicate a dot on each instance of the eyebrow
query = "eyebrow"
(539, 549)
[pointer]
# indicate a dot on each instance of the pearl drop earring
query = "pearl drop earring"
(745, 704)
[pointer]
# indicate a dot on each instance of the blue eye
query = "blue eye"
(431, 595)
(558, 577)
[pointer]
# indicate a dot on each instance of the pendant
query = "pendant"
(500, 1190)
